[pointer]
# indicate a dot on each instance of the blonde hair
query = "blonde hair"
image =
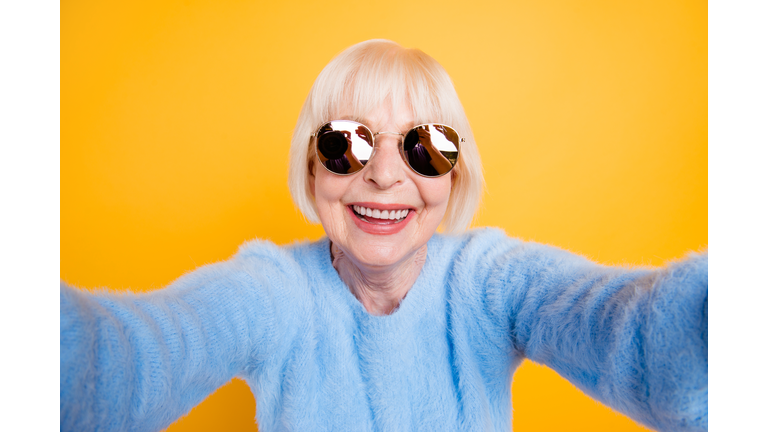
(367, 75)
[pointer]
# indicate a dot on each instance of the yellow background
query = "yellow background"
(590, 116)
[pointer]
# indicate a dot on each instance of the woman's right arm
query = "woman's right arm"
(140, 361)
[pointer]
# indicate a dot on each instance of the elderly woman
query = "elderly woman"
(385, 325)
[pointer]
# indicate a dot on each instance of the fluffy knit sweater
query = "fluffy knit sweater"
(315, 359)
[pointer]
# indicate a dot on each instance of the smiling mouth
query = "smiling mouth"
(382, 217)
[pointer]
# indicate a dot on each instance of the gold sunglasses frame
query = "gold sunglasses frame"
(400, 146)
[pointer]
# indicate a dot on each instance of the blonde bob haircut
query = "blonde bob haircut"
(379, 73)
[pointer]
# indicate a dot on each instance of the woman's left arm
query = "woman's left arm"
(635, 339)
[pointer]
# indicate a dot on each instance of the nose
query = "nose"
(386, 168)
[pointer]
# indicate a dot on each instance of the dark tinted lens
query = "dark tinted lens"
(431, 150)
(344, 146)
(332, 144)
(411, 139)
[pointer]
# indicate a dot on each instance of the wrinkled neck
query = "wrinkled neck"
(380, 289)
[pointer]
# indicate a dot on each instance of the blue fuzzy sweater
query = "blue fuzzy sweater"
(282, 319)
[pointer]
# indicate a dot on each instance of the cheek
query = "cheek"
(435, 193)
(438, 192)
(328, 191)
(320, 185)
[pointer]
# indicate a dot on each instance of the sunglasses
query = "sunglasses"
(344, 147)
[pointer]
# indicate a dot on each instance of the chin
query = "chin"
(381, 252)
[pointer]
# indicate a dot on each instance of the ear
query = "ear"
(311, 177)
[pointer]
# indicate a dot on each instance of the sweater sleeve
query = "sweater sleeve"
(634, 339)
(140, 361)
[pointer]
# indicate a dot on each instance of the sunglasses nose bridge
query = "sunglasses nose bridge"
(400, 136)
(397, 136)
(386, 166)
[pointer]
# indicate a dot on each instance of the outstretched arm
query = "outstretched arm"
(139, 362)
(633, 339)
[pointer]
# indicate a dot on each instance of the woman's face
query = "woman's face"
(385, 184)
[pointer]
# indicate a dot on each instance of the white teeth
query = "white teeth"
(380, 214)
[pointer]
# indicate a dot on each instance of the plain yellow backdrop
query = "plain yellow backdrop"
(590, 117)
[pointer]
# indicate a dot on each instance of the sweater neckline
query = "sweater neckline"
(415, 302)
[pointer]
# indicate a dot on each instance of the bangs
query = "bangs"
(385, 74)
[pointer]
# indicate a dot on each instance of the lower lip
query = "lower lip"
(380, 229)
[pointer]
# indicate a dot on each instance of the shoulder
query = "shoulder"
(469, 259)
(285, 267)
(488, 259)
(472, 241)
(258, 250)
(484, 246)
(259, 267)
(494, 243)
(264, 254)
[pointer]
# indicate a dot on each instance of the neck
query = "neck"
(379, 288)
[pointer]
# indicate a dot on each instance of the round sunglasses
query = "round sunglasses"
(345, 146)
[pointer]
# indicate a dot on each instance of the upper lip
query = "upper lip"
(380, 206)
